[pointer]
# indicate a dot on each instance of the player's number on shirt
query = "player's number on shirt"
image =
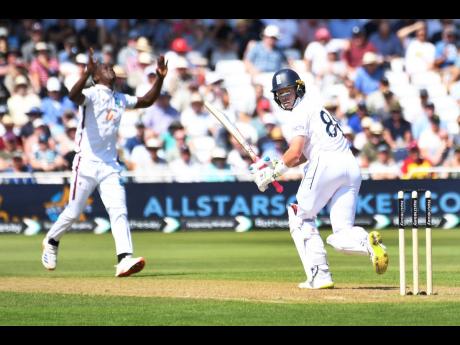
(331, 124)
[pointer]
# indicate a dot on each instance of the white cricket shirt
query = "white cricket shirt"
(100, 116)
(321, 129)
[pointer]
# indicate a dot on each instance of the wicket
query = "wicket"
(402, 251)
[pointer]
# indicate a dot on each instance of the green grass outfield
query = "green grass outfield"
(219, 278)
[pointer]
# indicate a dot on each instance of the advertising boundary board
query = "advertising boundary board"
(230, 206)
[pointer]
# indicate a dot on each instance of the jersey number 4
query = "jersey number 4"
(331, 124)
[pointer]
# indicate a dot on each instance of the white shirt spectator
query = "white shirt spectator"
(419, 56)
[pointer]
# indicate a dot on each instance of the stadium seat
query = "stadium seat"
(230, 67)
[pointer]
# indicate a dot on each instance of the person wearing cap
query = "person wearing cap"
(42, 67)
(55, 104)
(28, 129)
(397, 132)
(384, 167)
(332, 177)
(137, 139)
(358, 46)
(369, 74)
(218, 170)
(315, 54)
(36, 35)
(369, 150)
(386, 42)
(136, 72)
(414, 164)
(196, 119)
(95, 164)
(148, 164)
(22, 100)
(121, 82)
(361, 138)
(18, 165)
(264, 56)
(420, 54)
(185, 168)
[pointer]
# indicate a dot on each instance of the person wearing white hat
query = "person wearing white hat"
(368, 76)
(22, 100)
(54, 105)
(95, 164)
(265, 56)
(218, 170)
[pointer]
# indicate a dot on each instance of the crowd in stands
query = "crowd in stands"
(393, 85)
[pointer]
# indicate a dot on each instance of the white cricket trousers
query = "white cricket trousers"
(334, 179)
(86, 176)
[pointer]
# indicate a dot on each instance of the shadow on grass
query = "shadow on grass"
(375, 288)
(141, 275)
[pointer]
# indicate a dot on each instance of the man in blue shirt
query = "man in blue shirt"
(264, 56)
(368, 76)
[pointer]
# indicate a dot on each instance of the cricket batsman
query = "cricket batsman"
(331, 176)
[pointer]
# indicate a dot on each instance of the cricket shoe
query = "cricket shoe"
(49, 255)
(322, 279)
(378, 252)
(128, 266)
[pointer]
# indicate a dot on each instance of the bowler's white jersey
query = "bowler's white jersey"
(101, 113)
(321, 129)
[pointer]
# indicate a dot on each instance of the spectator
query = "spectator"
(138, 139)
(363, 137)
(31, 143)
(278, 145)
(179, 85)
(60, 33)
(224, 49)
(197, 122)
(92, 35)
(174, 140)
(137, 74)
(357, 47)
(335, 69)
(433, 142)
(42, 67)
(420, 53)
(28, 128)
(307, 29)
(315, 55)
(121, 83)
(21, 101)
(128, 52)
(243, 35)
(160, 115)
(218, 170)
(446, 54)
(355, 120)
(452, 162)
(147, 164)
(379, 101)
(36, 36)
(384, 168)
(54, 105)
(415, 166)
(397, 133)
(369, 151)
(264, 56)
(185, 168)
(11, 147)
(74, 71)
(3, 112)
(368, 76)
(18, 165)
(386, 42)
(44, 158)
